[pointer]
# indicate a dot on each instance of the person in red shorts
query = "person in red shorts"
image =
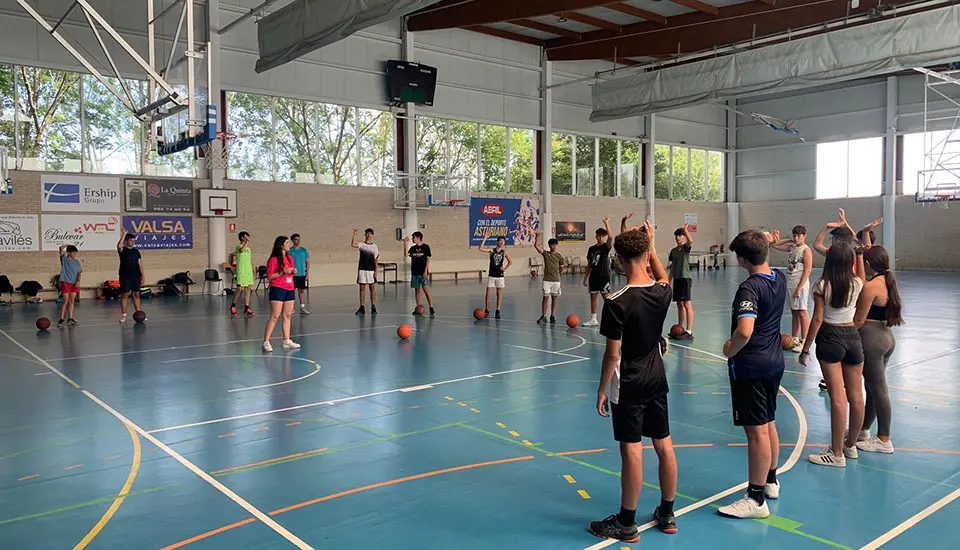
(70, 271)
(280, 273)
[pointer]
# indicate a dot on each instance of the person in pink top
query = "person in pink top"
(280, 273)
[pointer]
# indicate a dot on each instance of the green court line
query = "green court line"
(86, 504)
(61, 443)
(908, 476)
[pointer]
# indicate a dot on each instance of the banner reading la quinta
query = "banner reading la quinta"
(161, 232)
(516, 220)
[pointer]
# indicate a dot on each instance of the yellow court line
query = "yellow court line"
(124, 491)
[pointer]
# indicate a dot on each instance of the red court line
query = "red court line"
(904, 449)
(348, 492)
(270, 461)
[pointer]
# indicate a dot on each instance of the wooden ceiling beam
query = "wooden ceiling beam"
(500, 33)
(701, 7)
(543, 27)
(480, 12)
(589, 20)
(637, 12)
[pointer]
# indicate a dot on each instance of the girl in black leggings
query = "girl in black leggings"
(878, 309)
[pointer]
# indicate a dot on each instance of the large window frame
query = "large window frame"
(850, 168)
(693, 174)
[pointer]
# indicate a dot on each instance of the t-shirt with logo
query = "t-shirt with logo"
(761, 296)
(795, 265)
(300, 257)
(598, 257)
(634, 315)
(70, 269)
(680, 262)
(285, 281)
(551, 266)
(497, 259)
(129, 263)
(368, 257)
(419, 253)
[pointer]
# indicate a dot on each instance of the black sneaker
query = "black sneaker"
(60, 323)
(664, 346)
(498, 314)
(433, 312)
(373, 310)
(553, 320)
(610, 528)
(666, 523)
(417, 312)
(542, 320)
(823, 385)
(362, 311)
(71, 322)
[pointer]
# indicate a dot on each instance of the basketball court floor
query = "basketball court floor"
(181, 433)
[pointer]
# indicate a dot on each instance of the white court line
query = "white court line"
(364, 396)
(787, 466)
(920, 516)
(549, 351)
(911, 362)
(312, 362)
(279, 529)
(213, 344)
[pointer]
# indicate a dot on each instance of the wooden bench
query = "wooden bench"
(456, 274)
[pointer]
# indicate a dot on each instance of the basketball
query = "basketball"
(43, 323)
(139, 316)
(419, 309)
(787, 341)
(676, 331)
(479, 313)
(573, 321)
(404, 332)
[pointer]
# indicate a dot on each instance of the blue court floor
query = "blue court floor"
(181, 433)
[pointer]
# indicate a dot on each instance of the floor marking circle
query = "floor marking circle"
(312, 362)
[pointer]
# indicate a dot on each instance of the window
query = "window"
(7, 117)
(561, 169)
(376, 148)
(464, 153)
(522, 158)
(662, 172)
(112, 135)
(493, 158)
(715, 174)
(49, 123)
(629, 169)
(251, 119)
(931, 161)
(850, 168)
(687, 174)
(586, 155)
(608, 167)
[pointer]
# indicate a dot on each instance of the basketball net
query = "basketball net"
(217, 152)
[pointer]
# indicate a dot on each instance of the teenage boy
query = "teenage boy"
(552, 268)
(632, 323)
(367, 268)
(243, 274)
(799, 266)
(419, 255)
(301, 261)
(500, 262)
(70, 272)
(131, 272)
(597, 274)
(679, 264)
(755, 362)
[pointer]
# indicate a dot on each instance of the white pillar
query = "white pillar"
(733, 228)
(410, 221)
(650, 158)
(730, 162)
(546, 146)
(216, 227)
(889, 227)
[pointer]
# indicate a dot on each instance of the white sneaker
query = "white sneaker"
(290, 344)
(123, 318)
(863, 436)
(797, 346)
(304, 311)
(592, 322)
(745, 508)
(772, 490)
(850, 452)
(267, 347)
(827, 458)
(876, 445)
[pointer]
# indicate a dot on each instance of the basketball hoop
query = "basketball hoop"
(943, 201)
(216, 152)
(456, 202)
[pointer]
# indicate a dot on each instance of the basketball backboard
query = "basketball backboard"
(217, 203)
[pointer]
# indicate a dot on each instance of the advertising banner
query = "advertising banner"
(516, 220)
(161, 232)
(70, 193)
(156, 195)
(19, 233)
(86, 231)
(690, 218)
(571, 231)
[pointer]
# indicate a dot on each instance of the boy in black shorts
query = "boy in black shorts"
(679, 264)
(597, 275)
(130, 272)
(419, 255)
(633, 371)
(755, 359)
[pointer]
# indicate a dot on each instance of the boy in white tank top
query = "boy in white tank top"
(799, 266)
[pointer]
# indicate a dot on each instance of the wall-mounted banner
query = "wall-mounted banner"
(571, 231)
(70, 193)
(86, 231)
(691, 220)
(19, 233)
(517, 220)
(161, 232)
(172, 196)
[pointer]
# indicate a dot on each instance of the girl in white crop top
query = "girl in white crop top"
(842, 315)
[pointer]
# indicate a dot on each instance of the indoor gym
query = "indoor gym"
(181, 432)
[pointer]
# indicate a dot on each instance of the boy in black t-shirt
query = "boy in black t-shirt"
(597, 275)
(130, 272)
(755, 359)
(419, 255)
(633, 371)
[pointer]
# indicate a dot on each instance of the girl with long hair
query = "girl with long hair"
(878, 309)
(280, 272)
(839, 349)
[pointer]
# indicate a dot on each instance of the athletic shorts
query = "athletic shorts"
(419, 281)
(599, 286)
(496, 282)
(299, 281)
(682, 290)
(633, 421)
(800, 303)
(755, 400)
(69, 288)
(366, 277)
(278, 294)
(130, 284)
(551, 288)
(839, 345)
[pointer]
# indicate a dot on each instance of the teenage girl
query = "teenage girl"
(280, 272)
(243, 271)
(839, 349)
(878, 309)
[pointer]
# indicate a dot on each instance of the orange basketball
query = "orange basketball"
(479, 313)
(787, 341)
(676, 331)
(404, 332)
(573, 321)
(43, 323)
